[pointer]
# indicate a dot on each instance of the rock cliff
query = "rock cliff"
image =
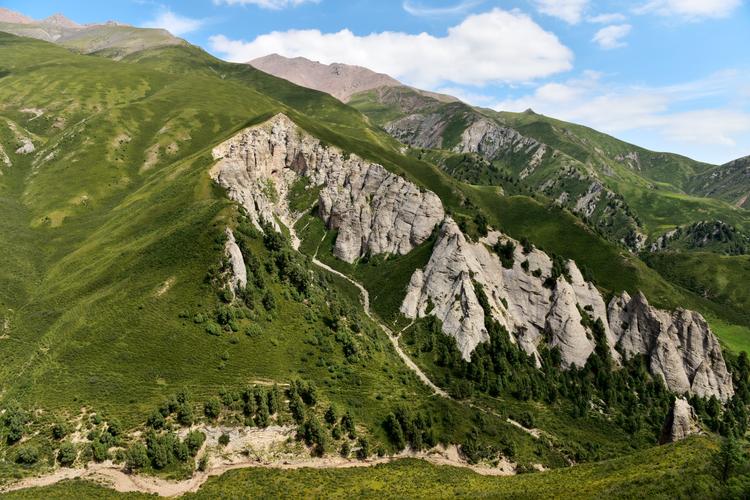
(679, 346)
(681, 422)
(238, 277)
(373, 210)
(517, 297)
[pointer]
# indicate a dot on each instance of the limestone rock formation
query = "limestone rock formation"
(681, 422)
(492, 141)
(373, 210)
(518, 300)
(238, 278)
(679, 346)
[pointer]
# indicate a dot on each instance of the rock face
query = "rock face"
(518, 300)
(492, 141)
(679, 346)
(681, 422)
(340, 80)
(373, 210)
(238, 278)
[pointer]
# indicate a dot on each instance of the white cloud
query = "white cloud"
(614, 17)
(174, 23)
(610, 37)
(691, 9)
(416, 9)
(673, 117)
(569, 11)
(495, 47)
(267, 4)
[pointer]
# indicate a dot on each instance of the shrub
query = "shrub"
(59, 431)
(346, 449)
(224, 439)
(185, 414)
(156, 420)
(136, 457)
(203, 464)
(67, 454)
(99, 451)
(364, 448)
(212, 408)
(194, 440)
(27, 455)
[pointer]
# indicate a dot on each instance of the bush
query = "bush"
(224, 439)
(212, 408)
(194, 440)
(364, 448)
(99, 451)
(59, 431)
(136, 457)
(185, 414)
(27, 455)
(346, 449)
(156, 420)
(67, 454)
(203, 463)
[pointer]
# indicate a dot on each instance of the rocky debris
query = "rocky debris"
(518, 299)
(632, 159)
(238, 278)
(27, 147)
(492, 141)
(679, 346)
(4, 157)
(373, 210)
(340, 80)
(681, 422)
(418, 130)
(586, 204)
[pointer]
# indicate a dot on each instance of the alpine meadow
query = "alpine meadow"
(229, 270)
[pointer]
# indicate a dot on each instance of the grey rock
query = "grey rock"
(681, 422)
(238, 278)
(679, 346)
(373, 210)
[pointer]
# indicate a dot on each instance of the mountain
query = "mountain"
(111, 39)
(206, 267)
(730, 182)
(340, 80)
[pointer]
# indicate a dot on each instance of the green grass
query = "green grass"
(682, 470)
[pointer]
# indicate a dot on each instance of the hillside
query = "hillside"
(728, 182)
(223, 268)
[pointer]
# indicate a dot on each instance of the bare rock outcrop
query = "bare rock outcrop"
(679, 346)
(493, 141)
(681, 422)
(238, 277)
(518, 299)
(373, 210)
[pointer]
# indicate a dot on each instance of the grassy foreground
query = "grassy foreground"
(682, 470)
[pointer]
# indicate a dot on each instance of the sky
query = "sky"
(669, 75)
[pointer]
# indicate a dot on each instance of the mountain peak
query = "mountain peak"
(58, 19)
(340, 80)
(10, 16)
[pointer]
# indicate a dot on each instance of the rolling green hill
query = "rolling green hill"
(116, 329)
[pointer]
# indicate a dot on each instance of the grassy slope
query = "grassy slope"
(683, 470)
(126, 209)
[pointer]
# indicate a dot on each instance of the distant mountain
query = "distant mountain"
(111, 39)
(339, 80)
(730, 182)
(342, 81)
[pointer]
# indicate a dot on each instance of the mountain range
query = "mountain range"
(284, 266)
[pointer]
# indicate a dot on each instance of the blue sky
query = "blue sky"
(670, 75)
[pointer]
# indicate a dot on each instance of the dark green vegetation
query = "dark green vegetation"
(674, 471)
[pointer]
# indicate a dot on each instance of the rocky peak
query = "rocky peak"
(681, 422)
(679, 346)
(60, 20)
(373, 210)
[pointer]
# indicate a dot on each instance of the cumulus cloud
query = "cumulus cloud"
(417, 9)
(570, 11)
(610, 37)
(495, 47)
(174, 23)
(673, 113)
(691, 9)
(267, 4)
